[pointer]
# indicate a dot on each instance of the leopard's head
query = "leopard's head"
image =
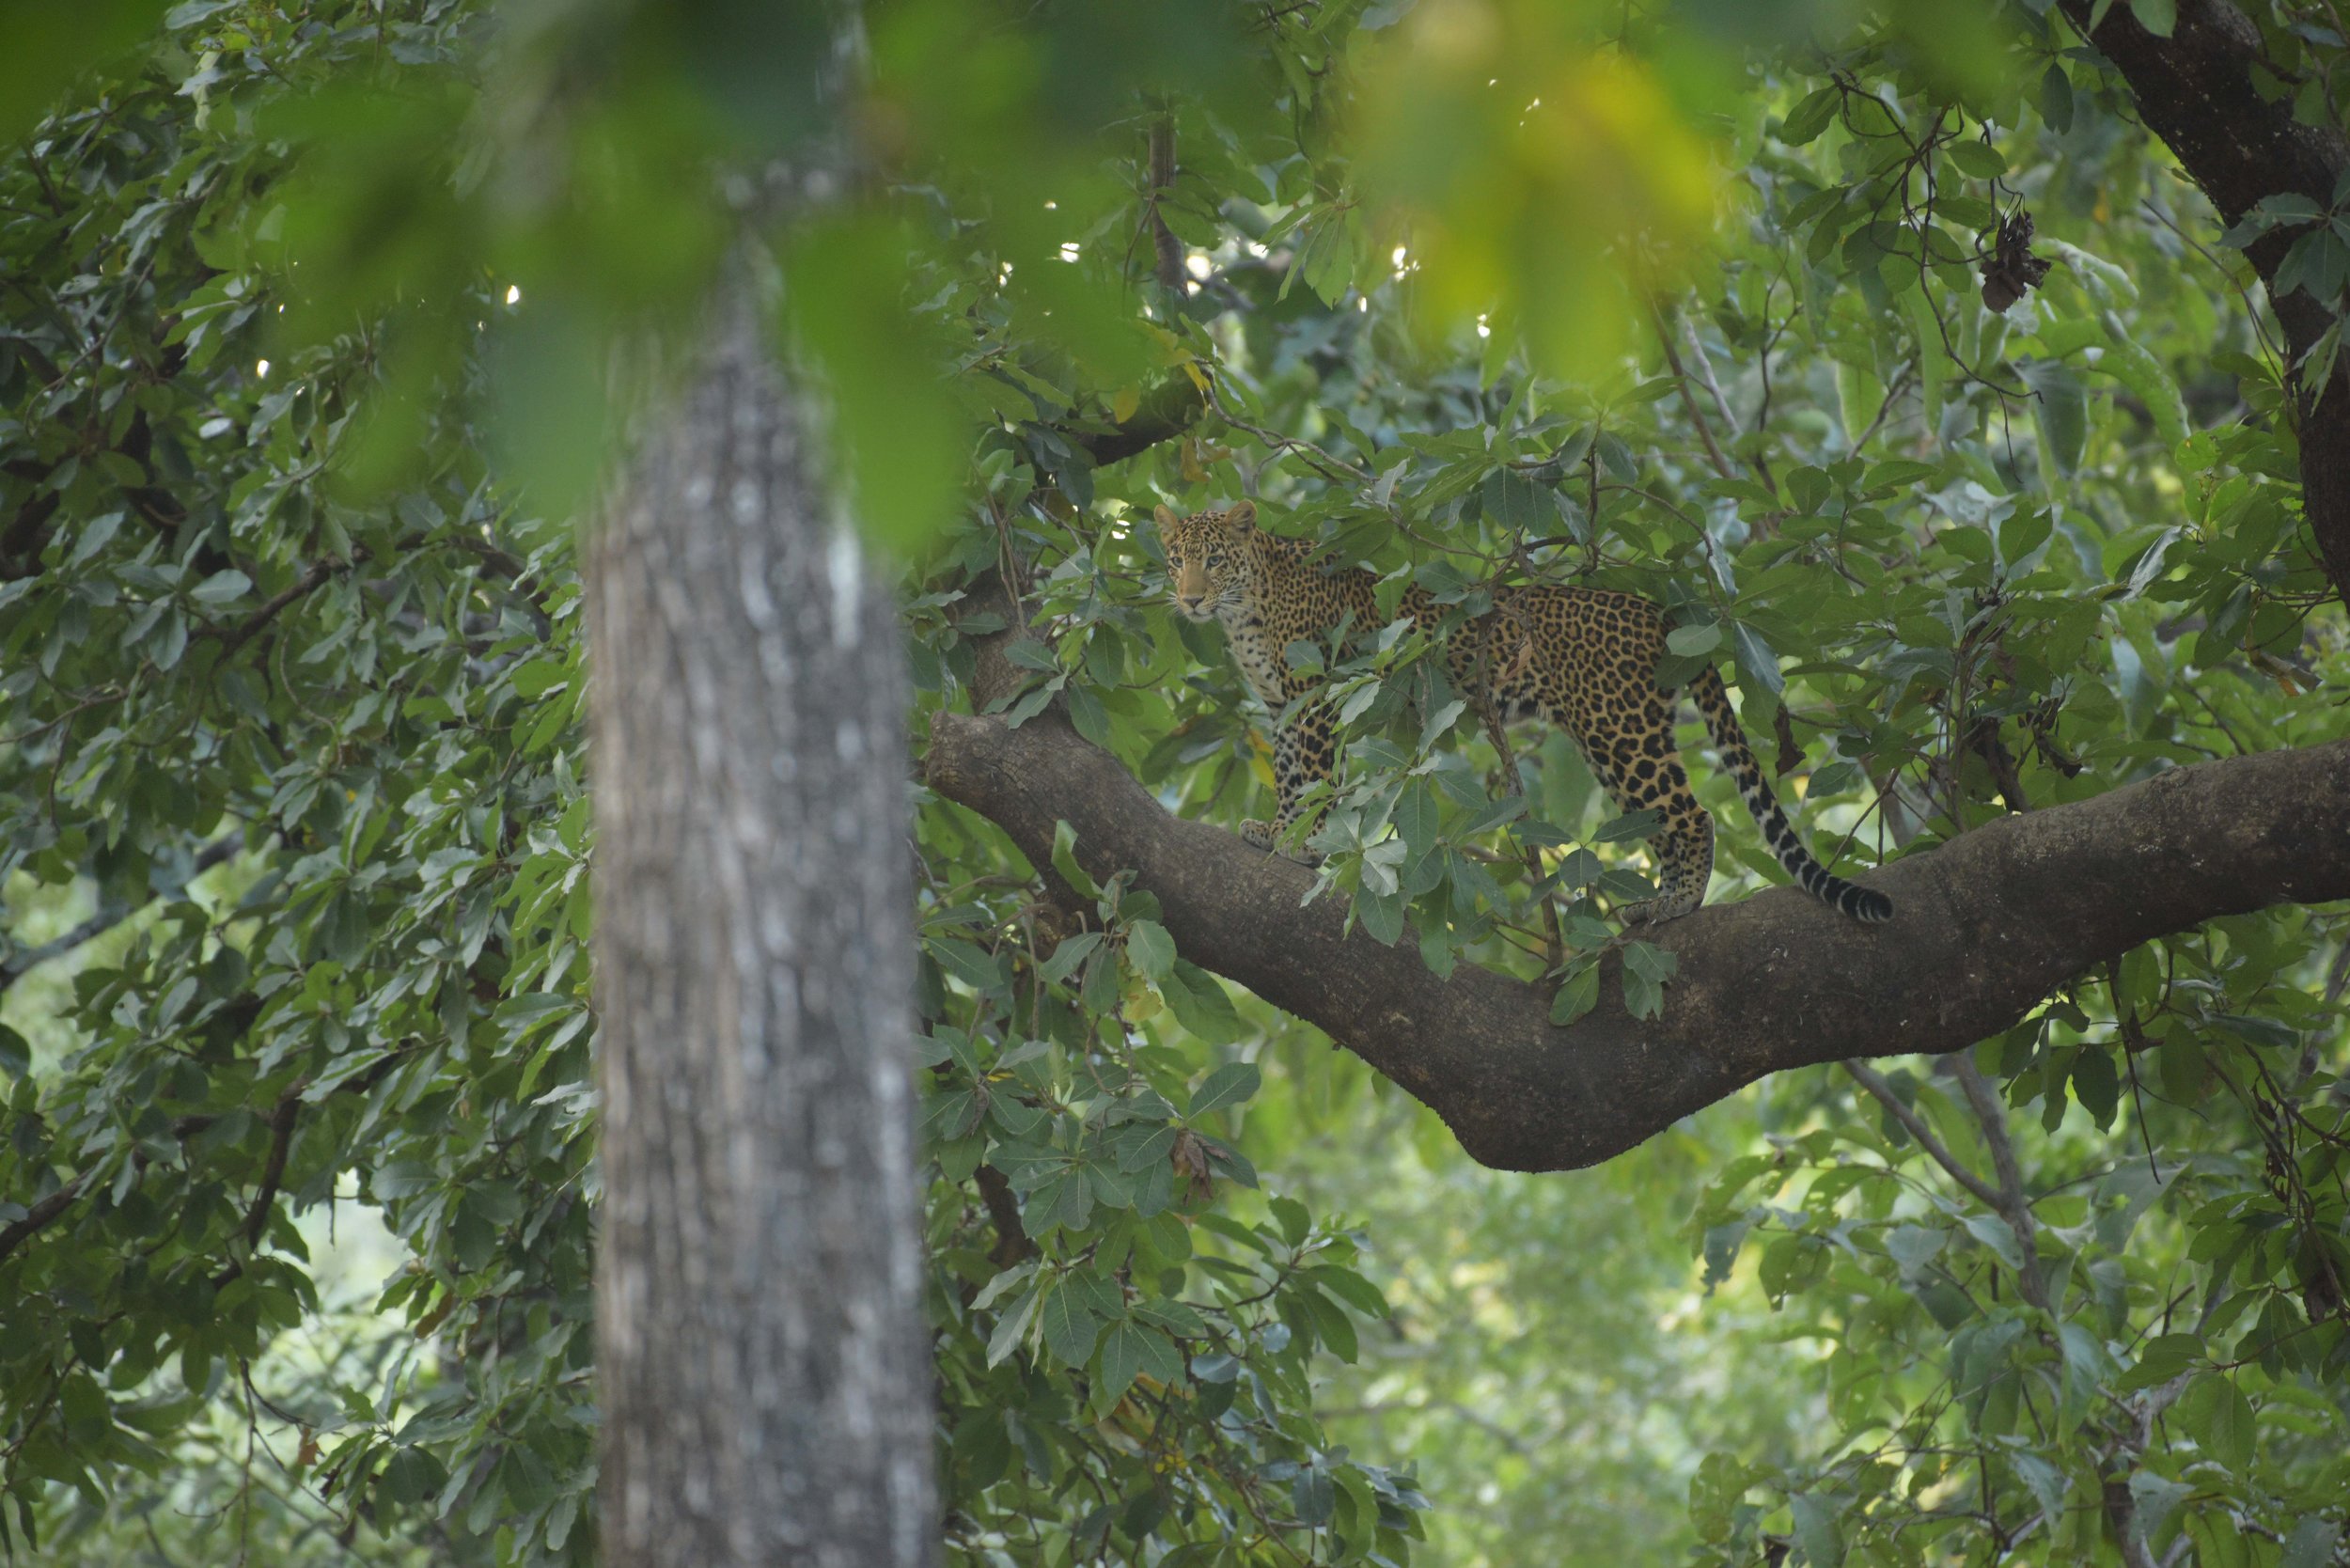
(1210, 558)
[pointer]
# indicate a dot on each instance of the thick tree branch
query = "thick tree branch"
(2195, 90)
(1989, 924)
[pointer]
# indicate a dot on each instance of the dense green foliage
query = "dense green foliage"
(308, 308)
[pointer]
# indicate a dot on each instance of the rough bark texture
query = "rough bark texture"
(1988, 925)
(763, 1356)
(2194, 89)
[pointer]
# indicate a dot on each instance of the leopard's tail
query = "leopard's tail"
(1721, 722)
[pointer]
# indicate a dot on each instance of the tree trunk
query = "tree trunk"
(2196, 90)
(762, 1350)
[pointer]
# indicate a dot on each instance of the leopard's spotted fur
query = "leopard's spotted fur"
(1583, 658)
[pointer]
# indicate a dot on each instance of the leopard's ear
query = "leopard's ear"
(1169, 522)
(1242, 518)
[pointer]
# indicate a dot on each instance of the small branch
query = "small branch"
(281, 1129)
(113, 914)
(41, 1215)
(1003, 1211)
(1168, 248)
(251, 626)
(2197, 87)
(2012, 1205)
(1916, 1127)
(281, 1122)
(1168, 410)
(1722, 465)
(502, 562)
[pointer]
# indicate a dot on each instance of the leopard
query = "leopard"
(1584, 659)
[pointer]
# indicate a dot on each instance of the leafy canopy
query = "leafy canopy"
(320, 322)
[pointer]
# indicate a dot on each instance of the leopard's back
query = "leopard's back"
(1583, 658)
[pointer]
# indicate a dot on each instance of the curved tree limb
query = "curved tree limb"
(1989, 924)
(2195, 90)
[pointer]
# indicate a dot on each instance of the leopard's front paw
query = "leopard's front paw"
(1655, 911)
(1266, 837)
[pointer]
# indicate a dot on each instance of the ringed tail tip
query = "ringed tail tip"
(1866, 905)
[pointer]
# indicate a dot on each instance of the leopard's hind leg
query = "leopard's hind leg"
(1631, 753)
(1304, 750)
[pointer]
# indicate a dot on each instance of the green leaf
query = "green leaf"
(1643, 997)
(1228, 1085)
(1068, 955)
(1632, 824)
(1822, 1543)
(2096, 1084)
(1198, 1002)
(1087, 713)
(2219, 1416)
(1128, 1350)
(1756, 661)
(1065, 861)
(1067, 1323)
(1998, 1235)
(1417, 816)
(1689, 641)
(2056, 100)
(1152, 950)
(1334, 1329)
(1810, 116)
(1978, 159)
(2162, 1359)
(1650, 962)
(221, 586)
(2312, 1543)
(2021, 532)
(1011, 1328)
(2158, 17)
(1576, 995)
(895, 428)
(2061, 413)
(1351, 1288)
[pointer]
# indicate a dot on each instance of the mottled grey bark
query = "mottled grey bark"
(762, 1350)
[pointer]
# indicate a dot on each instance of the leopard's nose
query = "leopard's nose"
(1189, 602)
